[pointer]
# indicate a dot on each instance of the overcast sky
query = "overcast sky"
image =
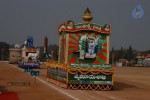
(37, 18)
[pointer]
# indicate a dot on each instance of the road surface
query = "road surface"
(131, 83)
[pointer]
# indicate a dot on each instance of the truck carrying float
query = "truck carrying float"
(83, 61)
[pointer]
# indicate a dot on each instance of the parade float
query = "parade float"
(139, 60)
(29, 55)
(142, 60)
(146, 61)
(83, 61)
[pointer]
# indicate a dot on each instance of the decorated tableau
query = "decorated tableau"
(30, 55)
(83, 61)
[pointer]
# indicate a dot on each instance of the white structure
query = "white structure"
(14, 55)
(30, 53)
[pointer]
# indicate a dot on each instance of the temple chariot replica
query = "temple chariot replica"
(83, 61)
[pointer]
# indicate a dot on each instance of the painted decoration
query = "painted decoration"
(101, 66)
(29, 64)
(90, 79)
(28, 69)
(30, 42)
(83, 43)
(88, 46)
(103, 29)
(57, 74)
(35, 73)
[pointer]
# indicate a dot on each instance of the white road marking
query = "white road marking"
(57, 89)
(87, 95)
(16, 67)
(111, 97)
(61, 91)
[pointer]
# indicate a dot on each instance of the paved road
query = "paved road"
(38, 91)
(131, 83)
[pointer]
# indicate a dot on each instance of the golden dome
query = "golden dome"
(87, 17)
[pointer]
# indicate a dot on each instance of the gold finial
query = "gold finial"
(87, 17)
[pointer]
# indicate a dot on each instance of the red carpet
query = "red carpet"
(9, 96)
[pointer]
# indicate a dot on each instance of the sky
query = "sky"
(38, 18)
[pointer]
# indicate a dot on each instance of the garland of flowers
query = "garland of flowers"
(73, 71)
(107, 73)
(95, 72)
(82, 70)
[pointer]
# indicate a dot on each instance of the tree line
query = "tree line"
(128, 54)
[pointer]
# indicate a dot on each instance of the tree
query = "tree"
(121, 54)
(4, 51)
(130, 54)
(112, 55)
